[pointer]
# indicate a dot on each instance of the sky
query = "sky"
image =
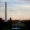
(16, 9)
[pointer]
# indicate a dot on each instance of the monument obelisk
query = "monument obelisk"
(5, 11)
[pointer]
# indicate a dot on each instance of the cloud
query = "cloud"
(26, 0)
(20, 0)
(17, 1)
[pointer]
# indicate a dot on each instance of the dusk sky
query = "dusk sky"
(17, 9)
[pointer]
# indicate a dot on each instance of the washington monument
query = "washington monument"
(5, 11)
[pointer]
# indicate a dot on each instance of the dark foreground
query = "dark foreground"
(14, 25)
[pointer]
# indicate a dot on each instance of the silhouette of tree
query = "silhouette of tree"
(1, 23)
(10, 23)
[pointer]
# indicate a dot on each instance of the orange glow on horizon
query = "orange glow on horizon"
(19, 18)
